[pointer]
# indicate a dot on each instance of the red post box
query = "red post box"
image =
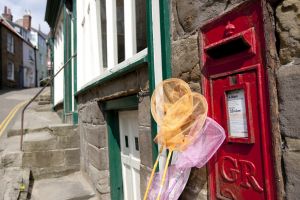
(235, 85)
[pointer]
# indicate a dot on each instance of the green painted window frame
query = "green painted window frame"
(129, 68)
(75, 113)
(151, 72)
(166, 55)
(111, 108)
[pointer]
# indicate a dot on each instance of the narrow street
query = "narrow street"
(49, 159)
(8, 100)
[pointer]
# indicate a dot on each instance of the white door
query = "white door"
(130, 154)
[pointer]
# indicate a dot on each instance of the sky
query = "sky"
(37, 8)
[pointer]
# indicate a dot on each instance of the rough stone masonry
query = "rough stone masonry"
(93, 129)
(282, 22)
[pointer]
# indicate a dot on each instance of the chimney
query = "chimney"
(27, 20)
(7, 14)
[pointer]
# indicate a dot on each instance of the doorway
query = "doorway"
(130, 154)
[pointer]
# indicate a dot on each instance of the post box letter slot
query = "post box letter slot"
(231, 47)
(241, 42)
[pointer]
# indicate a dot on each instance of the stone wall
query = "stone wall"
(282, 26)
(288, 76)
(187, 16)
(93, 129)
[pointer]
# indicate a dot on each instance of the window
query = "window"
(10, 43)
(41, 59)
(127, 20)
(31, 56)
(10, 71)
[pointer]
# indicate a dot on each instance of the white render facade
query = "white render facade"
(29, 70)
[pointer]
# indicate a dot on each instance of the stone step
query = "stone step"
(54, 172)
(34, 122)
(62, 129)
(14, 183)
(43, 108)
(44, 97)
(53, 139)
(52, 163)
(11, 159)
(71, 187)
(52, 153)
(39, 141)
(44, 102)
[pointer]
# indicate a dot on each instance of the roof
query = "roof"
(53, 8)
(19, 23)
(40, 32)
(6, 24)
(10, 27)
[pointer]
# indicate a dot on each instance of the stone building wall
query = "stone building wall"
(282, 26)
(187, 17)
(93, 129)
(288, 83)
(283, 69)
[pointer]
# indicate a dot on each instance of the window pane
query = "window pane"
(141, 25)
(8, 42)
(120, 30)
(10, 71)
(136, 141)
(103, 32)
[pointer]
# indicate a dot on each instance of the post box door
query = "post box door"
(239, 169)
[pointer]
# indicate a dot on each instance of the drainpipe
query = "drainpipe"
(52, 67)
(1, 56)
(36, 76)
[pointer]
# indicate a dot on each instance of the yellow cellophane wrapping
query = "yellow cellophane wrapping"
(176, 109)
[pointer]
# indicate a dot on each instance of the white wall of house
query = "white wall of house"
(28, 65)
(59, 61)
(123, 44)
(88, 51)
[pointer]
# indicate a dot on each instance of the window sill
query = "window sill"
(119, 70)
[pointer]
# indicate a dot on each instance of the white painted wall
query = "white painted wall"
(28, 65)
(89, 44)
(58, 62)
(88, 51)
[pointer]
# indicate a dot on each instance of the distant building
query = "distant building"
(36, 37)
(26, 68)
(11, 56)
(29, 69)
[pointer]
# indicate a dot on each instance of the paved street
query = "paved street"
(10, 98)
